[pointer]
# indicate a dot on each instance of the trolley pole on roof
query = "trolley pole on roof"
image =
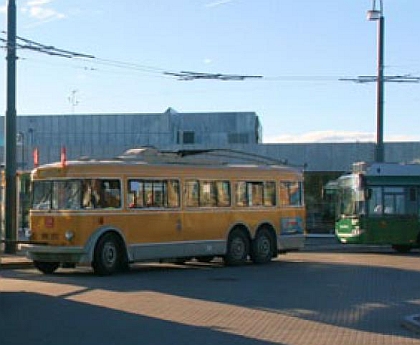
(10, 133)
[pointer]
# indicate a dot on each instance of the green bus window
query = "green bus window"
(375, 202)
(394, 201)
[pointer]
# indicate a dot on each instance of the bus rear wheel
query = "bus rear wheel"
(237, 248)
(108, 255)
(262, 247)
(46, 267)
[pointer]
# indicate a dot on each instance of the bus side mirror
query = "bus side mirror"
(368, 193)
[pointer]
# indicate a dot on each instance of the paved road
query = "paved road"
(313, 297)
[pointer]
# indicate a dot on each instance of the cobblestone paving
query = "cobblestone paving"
(301, 298)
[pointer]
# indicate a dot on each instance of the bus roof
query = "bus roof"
(147, 159)
(387, 169)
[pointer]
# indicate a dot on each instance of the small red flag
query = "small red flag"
(63, 156)
(36, 157)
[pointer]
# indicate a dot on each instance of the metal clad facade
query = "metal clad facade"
(108, 135)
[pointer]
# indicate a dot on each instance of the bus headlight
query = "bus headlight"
(69, 235)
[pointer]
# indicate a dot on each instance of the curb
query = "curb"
(15, 265)
(412, 323)
(15, 261)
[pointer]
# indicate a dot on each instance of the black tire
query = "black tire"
(237, 248)
(46, 267)
(262, 247)
(108, 256)
(402, 248)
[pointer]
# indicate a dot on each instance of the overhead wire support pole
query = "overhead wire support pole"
(377, 15)
(380, 154)
(10, 134)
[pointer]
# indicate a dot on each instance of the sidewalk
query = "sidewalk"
(15, 261)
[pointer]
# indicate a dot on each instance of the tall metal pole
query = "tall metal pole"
(379, 154)
(378, 15)
(10, 133)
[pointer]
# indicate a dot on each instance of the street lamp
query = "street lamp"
(377, 15)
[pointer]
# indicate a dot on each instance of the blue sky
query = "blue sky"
(301, 48)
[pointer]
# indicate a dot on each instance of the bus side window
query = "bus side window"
(110, 189)
(91, 194)
(207, 194)
(413, 194)
(192, 193)
(269, 194)
(241, 195)
(173, 193)
(223, 193)
(255, 196)
(411, 198)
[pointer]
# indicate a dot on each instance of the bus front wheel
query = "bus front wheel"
(237, 248)
(108, 255)
(46, 267)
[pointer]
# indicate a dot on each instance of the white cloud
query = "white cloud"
(38, 2)
(217, 3)
(41, 10)
(334, 137)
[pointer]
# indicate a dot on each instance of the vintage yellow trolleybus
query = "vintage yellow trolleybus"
(152, 206)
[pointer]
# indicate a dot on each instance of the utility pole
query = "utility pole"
(10, 133)
(377, 15)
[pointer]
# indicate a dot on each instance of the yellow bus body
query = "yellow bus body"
(72, 235)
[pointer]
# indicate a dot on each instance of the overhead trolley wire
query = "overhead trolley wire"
(28, 44)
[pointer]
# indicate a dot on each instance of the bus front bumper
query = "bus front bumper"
(57, 254)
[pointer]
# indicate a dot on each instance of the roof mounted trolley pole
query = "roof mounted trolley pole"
(10, 133)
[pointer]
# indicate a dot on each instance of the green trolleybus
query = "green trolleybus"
(379, 204)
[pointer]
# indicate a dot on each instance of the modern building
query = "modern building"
(109, 135)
